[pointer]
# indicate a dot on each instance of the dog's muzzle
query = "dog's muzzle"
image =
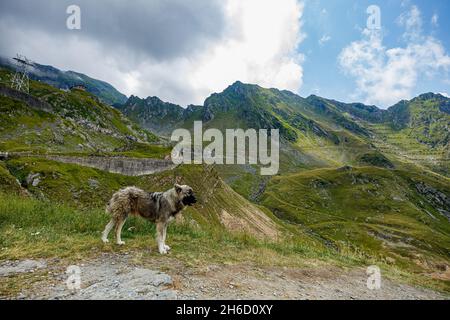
(189, 200)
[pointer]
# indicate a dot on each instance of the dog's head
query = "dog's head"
(185, 194)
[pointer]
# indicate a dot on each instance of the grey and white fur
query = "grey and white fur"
(157, 207)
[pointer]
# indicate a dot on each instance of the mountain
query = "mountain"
(427, 116)
(415, 131)
(52, 120)
(251, 106)
(67, 79)
(153, 114)
(316, 131)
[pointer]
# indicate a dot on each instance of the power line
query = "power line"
(20, 80)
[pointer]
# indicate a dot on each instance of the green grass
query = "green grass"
(8, 182)
(31, 228)
(76, 185)
(84, 187)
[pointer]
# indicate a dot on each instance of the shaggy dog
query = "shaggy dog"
(157, 207)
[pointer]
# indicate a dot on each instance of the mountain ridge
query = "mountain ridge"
(67, 79)
(358, 109)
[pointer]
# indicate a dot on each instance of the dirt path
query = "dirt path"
(127, 276)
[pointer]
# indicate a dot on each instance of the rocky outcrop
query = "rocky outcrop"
(121, 165)
(438, 199)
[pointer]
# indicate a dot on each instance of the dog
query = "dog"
(157, 207)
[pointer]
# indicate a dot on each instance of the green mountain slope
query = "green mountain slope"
(415, 131)
(49, 120)
(52, 120)
(402, 217)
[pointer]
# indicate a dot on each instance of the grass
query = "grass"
(79, 186)
(31, 228)
(8, 182)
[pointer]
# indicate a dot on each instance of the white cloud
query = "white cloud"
(412, 22)
(258, 43)
(325, 38)
(405, 3)
(260, 47)
(386, 75)
(445, 94)
(411, 19)
(435, 20)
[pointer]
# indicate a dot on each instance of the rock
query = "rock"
(23, 266)
(345, 168)
(4, 155)
(36, 182)
(208, 115)
(21, 296)
(33, 179)
(167, 295)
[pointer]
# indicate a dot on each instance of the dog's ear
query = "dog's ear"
(177, 188)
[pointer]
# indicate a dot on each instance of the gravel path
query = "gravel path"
(114, 276)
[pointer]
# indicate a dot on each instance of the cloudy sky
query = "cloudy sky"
(182, 51)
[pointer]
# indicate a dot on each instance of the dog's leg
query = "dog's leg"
(119, 226)
(160, 227)
(107, 230)
(164, 237)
